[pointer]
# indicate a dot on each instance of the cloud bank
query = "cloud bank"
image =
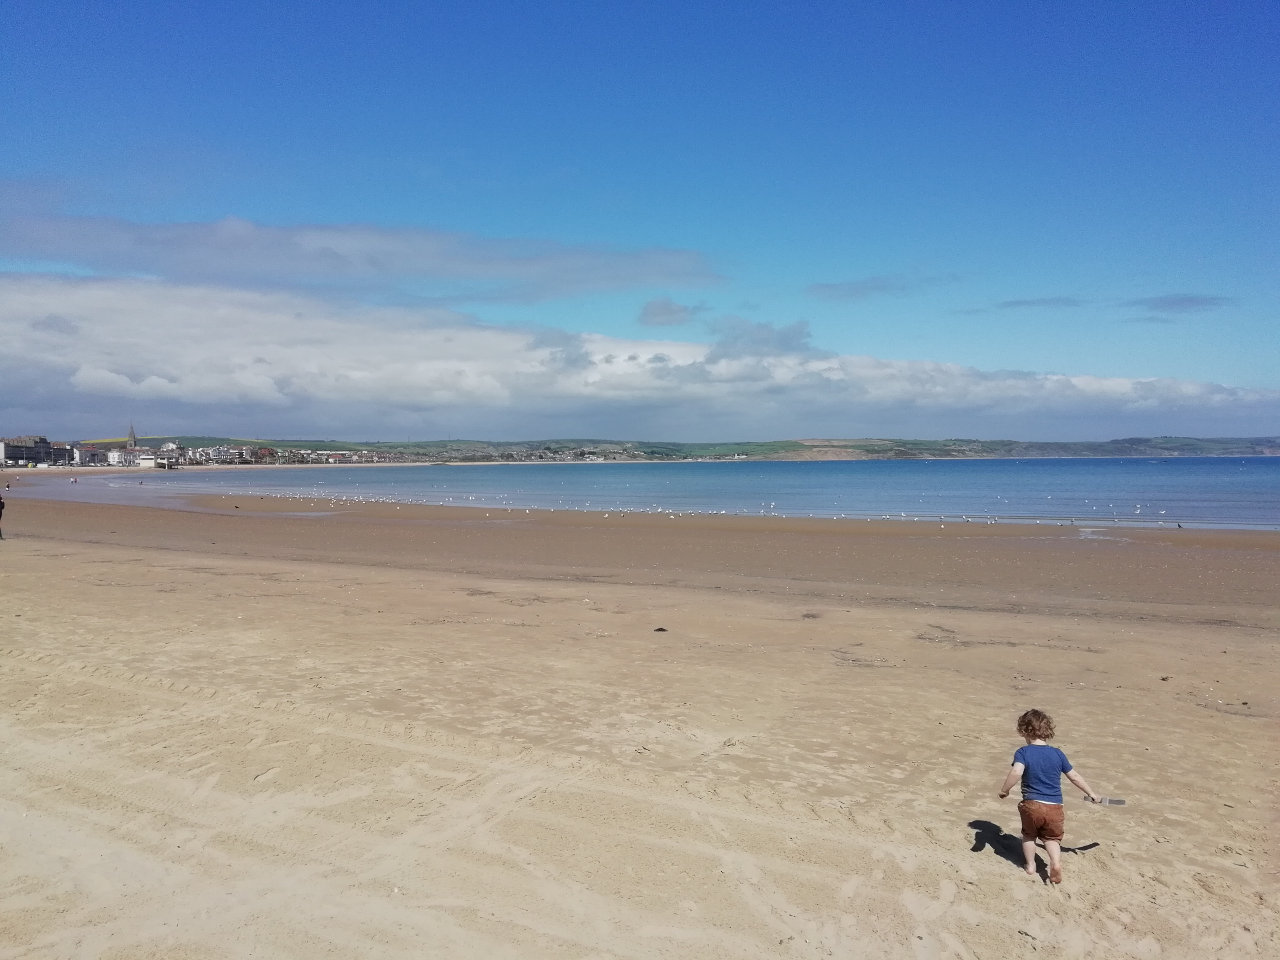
(239, 252)
(99, 352)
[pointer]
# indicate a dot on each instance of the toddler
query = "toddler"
(1040, 768)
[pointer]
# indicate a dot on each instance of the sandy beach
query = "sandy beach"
(264, 728)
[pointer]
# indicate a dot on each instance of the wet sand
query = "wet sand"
(276, 728)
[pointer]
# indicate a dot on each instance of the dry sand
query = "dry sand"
(395, 732)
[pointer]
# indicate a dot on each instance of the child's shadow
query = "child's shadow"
(1006, 845)
(1009, 846)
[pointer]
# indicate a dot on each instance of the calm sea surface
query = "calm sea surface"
(1239, 492)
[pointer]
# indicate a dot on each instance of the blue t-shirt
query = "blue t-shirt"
(1042, 777)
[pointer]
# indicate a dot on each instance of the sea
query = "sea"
(1203, 492)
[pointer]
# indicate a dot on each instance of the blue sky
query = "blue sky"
(1039, 220)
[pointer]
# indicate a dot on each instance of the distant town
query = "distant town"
(38, 451)
(173, 452)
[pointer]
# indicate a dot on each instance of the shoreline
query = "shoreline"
(970, 563)
(178, 499)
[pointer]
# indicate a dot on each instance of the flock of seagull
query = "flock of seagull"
(337, 502)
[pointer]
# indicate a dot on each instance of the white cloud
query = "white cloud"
(449, 264)
(667, 313)
(296, 364)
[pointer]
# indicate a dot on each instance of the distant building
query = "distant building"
(88, 456)
(160, 461)
(32, 450)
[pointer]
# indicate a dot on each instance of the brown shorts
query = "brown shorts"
(1041, 821)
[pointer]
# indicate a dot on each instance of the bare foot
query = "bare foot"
(1031, 871)
(1055, 874)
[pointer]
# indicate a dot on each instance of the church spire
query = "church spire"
(133, 439)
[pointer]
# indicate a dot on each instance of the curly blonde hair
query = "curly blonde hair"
(1036, 725)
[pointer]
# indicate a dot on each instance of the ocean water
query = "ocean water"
(1231, 492)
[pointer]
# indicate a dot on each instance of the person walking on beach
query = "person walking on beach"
(1040, 768)
(1, 518)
